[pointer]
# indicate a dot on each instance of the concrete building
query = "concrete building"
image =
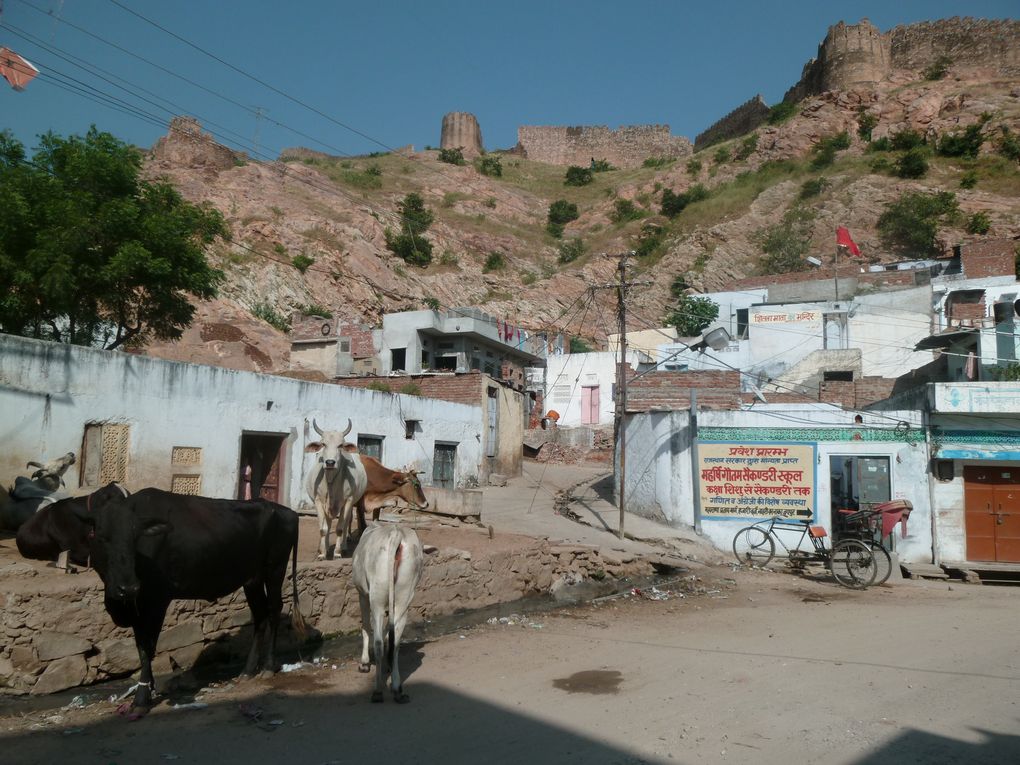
(823, 461)
(580, 386)
(194, 429)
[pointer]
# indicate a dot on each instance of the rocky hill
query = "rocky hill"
(309, 230)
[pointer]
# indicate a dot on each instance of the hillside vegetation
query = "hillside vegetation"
(311, 231)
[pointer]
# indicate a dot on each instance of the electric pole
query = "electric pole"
(621, 375)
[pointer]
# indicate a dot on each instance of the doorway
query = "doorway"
(590, 405)
(992, 513)
(444, 463)
(260, 474)
(856, 482)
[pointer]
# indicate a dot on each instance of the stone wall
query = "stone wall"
(741, 120)
(627, 146)
(858, 54)
(55, 633)
(461, 131)
(968, 42)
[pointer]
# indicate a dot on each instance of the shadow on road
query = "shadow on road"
(294, 721)
(915, 746)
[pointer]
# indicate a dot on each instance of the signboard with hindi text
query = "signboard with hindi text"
(756, 480)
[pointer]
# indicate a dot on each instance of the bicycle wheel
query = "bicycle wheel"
(853, 564)
(753, 546)
(884, 562)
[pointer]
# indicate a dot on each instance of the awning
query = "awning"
(945, 339)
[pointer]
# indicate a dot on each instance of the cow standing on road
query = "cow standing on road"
(154, 547)
(387, 566)
(335, 486)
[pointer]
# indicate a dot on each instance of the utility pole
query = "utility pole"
(259, 113)
(621, 375)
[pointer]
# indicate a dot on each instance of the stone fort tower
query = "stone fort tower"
(461, 131)
(850, 54)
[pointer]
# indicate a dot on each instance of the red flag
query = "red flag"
(843, 240)
(15, 69)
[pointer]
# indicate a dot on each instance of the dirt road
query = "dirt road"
(771, 668)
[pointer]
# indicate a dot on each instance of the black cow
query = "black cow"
(154, 547)
(59, 526)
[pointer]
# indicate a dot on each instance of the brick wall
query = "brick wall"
(993, 258)
(463, 388)
(856, 394)
(362, 346)
(672, 390)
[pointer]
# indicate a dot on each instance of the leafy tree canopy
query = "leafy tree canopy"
(691, 314)
(91, 253)
(910, 223)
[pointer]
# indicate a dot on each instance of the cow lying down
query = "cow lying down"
(387, 566)
(154, 547)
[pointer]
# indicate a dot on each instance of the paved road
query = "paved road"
(769, 668)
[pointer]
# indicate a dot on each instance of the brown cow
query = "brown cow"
(386, 487)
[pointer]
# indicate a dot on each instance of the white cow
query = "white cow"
(387, 566)
(335, 486)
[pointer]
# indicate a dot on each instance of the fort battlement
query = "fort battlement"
(461, 131)
(859, 54)
(627, 146)
(741, 120)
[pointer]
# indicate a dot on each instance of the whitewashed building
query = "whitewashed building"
(195, 429)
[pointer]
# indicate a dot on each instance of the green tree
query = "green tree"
(561, 211)
(691, 314)
(409, 244)
(913, 163)
(866, 122)
(747, 147)
(911, 223)
(578, 176)
(570, 250)
(781, 112)
(91, 253)
(979, 223)
(674, 204)
(491, 165)
(452, 156)
(786, 243)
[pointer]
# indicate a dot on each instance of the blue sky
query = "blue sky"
(390, 70)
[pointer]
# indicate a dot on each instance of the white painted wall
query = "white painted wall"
(659, 480)
(49, 392)
(566, 375)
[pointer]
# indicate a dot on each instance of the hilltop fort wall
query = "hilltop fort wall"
(859, 54)
(628, 146)
(741, 120)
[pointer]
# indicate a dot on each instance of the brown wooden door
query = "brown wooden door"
(271, 483)
(992, 513)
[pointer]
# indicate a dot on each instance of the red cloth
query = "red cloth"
(843, 240)
(16, 70)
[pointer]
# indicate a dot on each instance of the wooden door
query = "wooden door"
(992, 513)
(270, 488)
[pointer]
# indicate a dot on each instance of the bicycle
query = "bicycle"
(852, 563)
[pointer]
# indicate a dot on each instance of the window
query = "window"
(370, 446)
(424, 359)
(742, 323)
(345, 345)
(398, 359)
(838, 376)
(410, 426)
(447, 363)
